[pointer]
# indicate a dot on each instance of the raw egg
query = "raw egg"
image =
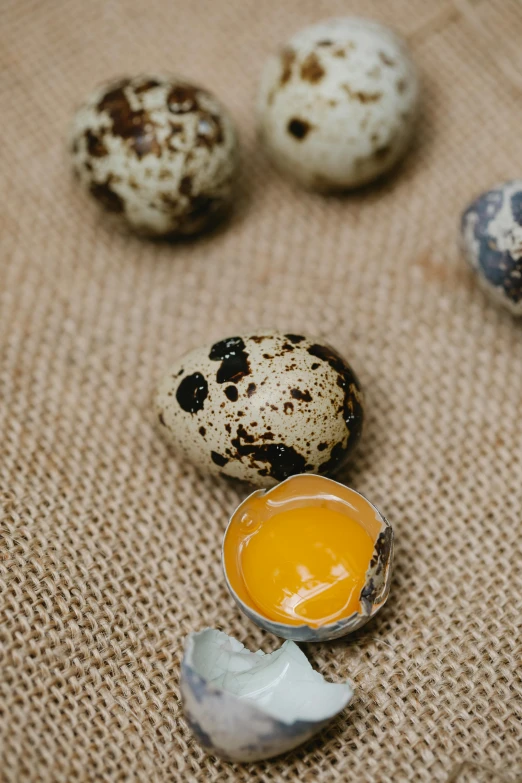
(308, 560)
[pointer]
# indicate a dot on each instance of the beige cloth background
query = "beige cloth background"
(111, 548)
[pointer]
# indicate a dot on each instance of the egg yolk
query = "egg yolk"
(306, 566)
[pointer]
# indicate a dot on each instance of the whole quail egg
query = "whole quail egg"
(491, 236)
(308, 560)
(262, 407)
(246, 706)
(337, 104)
(160, 153)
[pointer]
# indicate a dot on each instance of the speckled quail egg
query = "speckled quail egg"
(262, 407)
(308, 560)
(246, 706)
(157, 151)
(491, 236)
(337, 104)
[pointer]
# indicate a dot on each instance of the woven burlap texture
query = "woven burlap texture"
(111, 546)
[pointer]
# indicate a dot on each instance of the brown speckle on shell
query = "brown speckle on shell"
(103, 193)
(361, 95)
(287, 61)
(311, 69)
(386, 59)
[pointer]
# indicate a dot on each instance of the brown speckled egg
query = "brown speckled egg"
(337, 104)
(262, 407)
(157, 151)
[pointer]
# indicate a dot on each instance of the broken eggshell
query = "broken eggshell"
(246, 706)
(306, 490)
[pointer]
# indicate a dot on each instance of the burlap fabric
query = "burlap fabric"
(111, 548)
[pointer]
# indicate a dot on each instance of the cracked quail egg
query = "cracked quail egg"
(337, 105)
(262, 407)
(246, 706)
(308, 560)
(158, 152)
(491, 236)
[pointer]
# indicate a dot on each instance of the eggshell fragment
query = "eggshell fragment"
(491, 237)
(246, 706)
(316, 490)
(337, 104)
(158, 152)
(262, 407)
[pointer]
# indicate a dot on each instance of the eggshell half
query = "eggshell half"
(223, 717)
(307, 490)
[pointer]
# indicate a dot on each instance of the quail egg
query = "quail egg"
(246, 706)
(158, 152)
(262, 407)
(308, 560)
(491, 236)
(337, 104)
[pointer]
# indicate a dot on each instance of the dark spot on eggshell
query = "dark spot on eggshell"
(183, 98)
(386, 59)
(304, 396)
(201, 206)
(169, 199)
(287, 347)
(322, 447)
(218, 459)
(251, 389)
(202, 431)
(283, 461)
(192, 393)
(287, 61)
(161, 419)
(382, 152)
(340, 53)
(185, 185)
(352, 408)
(103, 193)
(202, 737)
(267, 356)
(232, 393)
(516, 207)
(95, 146)
(337, 455)
(259, 338)
(361, 95)
(311, 69)
(382, 549)
(233, 356)
(288, 408)
(299, 128)
(315, 365)
(145, 86)
(135, 127)
(402, 86)
(325, 43)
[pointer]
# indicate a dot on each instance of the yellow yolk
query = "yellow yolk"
(306, 565)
